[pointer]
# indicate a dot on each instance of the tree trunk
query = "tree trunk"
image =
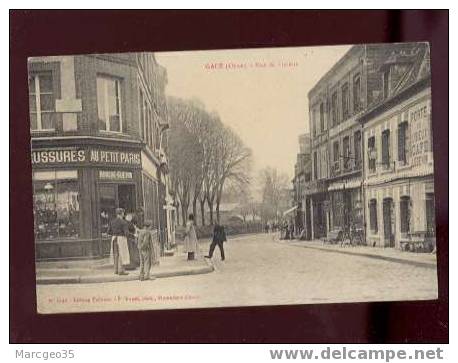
(202, 211)
(194, 209)
(210, 207)
(184, 213)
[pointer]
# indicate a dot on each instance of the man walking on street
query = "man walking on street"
(146, 250)
(219, 237)
(119, 251)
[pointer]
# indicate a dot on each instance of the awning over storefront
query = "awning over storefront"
(289, 211)
(347, 184)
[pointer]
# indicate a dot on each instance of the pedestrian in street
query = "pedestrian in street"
(190, 239)
(219, 237)
(119, 250)
(146, 250)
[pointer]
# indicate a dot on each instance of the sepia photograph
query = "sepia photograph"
(231, 178)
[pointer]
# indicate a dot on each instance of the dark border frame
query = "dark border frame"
(51, 32)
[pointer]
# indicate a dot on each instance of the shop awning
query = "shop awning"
(289, 211)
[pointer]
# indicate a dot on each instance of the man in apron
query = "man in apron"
(119, 252)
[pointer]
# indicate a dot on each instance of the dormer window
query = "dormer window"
(386, 83)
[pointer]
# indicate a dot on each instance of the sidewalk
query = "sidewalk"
(73, 272)
(427, 260)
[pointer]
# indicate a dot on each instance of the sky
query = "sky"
(260, 93)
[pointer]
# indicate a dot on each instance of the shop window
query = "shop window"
(345, 102)
(386, 149)
(405, 214)
(403, 142)
(430, 215)
(372, 154)
(373, 215)
(357, 93)
(334, 109)
(109, 104)
(42, 101)
(357, 147)
(346, 152)
(56, 205)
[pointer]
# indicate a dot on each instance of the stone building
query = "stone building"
(351, 87)
(399, 168)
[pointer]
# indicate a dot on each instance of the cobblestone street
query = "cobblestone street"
(259, 270)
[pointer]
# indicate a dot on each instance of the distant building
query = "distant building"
(302, 176)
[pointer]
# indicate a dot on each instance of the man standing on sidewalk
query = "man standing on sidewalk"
(219, 237)
(119, 251)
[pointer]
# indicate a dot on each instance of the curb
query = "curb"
(115, 278)
(370, 255)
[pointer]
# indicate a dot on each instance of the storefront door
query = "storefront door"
(114, 196)
(388, 222)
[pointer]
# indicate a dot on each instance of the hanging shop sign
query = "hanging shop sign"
(96, 156)
(115, 175)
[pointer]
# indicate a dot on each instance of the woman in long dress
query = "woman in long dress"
(190, 241)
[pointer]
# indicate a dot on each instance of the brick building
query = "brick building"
(98, 136)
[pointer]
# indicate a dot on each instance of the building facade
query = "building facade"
(98, 137)
(302, 177)
(399, 167)
(351, 87)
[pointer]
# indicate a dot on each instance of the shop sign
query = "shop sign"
(115, 157)
(115, 175)
(420, 124)
(80, 156)
(58, 156)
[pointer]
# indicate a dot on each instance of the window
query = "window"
(346, 152)
(56, 205)
(403, 141)
(336, 155)
(373, 215)
(315, 166)
(372, 154)
(430, 215)
(386, 83)
(357, 147)
(345, 102)
(322, 126)
(405, 214)
(109, 104)
(357, 93)
(42, 101)
(142, 115)
(334, 108)
(386, 149)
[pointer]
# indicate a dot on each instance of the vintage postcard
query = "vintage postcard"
(204, 179)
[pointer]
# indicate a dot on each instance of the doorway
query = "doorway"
(388, 222)
(112, 196)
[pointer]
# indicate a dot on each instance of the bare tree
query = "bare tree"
(274, 192)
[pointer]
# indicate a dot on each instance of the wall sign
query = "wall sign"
(419, 120)
(79, 156)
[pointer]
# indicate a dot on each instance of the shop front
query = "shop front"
(346, 205)
(76, 190)
(401, 214)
